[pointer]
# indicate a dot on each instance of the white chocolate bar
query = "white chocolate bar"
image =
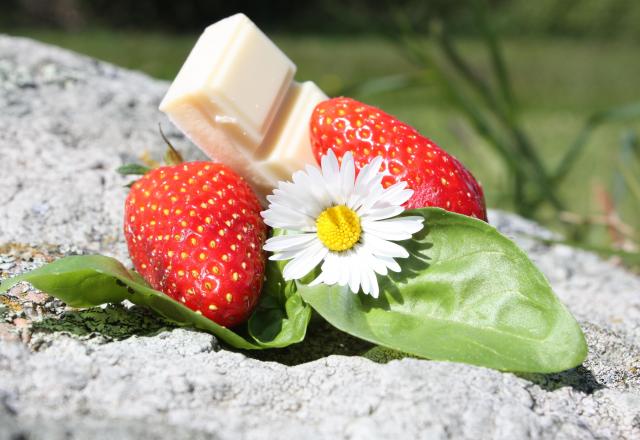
(287, 147)
(235, 98)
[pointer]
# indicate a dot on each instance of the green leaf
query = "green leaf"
(281, 316)
(92, 280)
(466, 294)
(133, 169)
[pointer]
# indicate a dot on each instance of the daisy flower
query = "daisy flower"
(345, 222)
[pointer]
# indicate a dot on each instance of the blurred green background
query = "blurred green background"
(540, 99)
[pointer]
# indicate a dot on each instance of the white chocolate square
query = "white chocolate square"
(287, 147)
(235, 77)
(234, 97)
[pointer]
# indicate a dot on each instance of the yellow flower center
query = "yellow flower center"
(338, 228)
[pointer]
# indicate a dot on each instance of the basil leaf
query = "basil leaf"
(281, 316)
(465, 294)
(92, 280)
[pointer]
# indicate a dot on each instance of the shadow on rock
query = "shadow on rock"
(579, 378)
(325, 340)
(113, 322)
(322, 340)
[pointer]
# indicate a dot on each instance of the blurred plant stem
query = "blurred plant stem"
(491, 107)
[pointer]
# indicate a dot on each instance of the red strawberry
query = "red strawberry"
(437, 178)
(194, 232)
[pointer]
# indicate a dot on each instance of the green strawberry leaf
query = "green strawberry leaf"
(133, 169)
(93, 280)
(281, 315)
(465, 294)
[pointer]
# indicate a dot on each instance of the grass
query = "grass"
(558, 82)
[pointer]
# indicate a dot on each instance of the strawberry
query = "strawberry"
(194, 232)
(437, 178)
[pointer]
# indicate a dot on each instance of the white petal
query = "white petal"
(279, 218)
(398, 228)
(288, 242)
(371, 196)
(305, 262)
(304, 204)
(343, 280)
(391, 264)
(380, 247)
(354, 280)
(299, 178)
(310, 191)
(290, 189)
(338, 271)
(286, 255)
(366, 257)
(321, 192)
(289, 207)
(318, 280)
(277, 211)
(340, 268)
(374, 290)
(330, 165)
(396, 194)
(380, 260)
(330, 269)
(343, 268)
(369, 172)
(382, 213)
(347, 176)
(282, 207)
(331, 176)
(364, 281)
(311, 185)
(368, 180)
(282, 222)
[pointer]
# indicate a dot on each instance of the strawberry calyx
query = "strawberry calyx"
(171, 157)
(133, 169)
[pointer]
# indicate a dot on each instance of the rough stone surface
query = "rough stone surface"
(66, 122)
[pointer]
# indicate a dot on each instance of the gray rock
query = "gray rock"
(67, 123)
(117, 372)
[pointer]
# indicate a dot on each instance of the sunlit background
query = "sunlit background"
(540, 99)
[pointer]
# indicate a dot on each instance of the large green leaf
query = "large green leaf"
(84, 281)
(466, 294)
